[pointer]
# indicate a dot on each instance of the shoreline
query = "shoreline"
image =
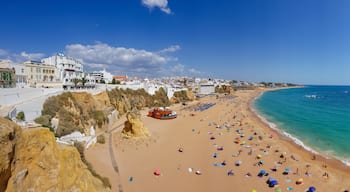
(296, 143)
(232, 118)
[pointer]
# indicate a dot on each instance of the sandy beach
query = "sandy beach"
(222, 148)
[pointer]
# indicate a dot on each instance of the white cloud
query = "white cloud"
(178, 69)
(24, 56)
(3, 52)
(161, 4)
(32, 56)
(170, 49)
(128, 60)
(194, 71)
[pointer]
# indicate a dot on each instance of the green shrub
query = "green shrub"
(101, 139)
(20, 116)
(99, 117)
(43, 120)
(181, 96)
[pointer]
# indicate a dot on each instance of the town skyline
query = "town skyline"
(290, 41)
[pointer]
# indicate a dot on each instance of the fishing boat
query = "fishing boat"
(162, 113)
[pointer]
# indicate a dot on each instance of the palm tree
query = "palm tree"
(76, 81)
(83, 81)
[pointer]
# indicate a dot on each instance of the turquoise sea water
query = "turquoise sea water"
(317, 117)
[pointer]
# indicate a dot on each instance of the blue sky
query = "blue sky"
(299, 41)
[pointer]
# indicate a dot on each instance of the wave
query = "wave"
(312, 96)
(297, 141)
(284, 133)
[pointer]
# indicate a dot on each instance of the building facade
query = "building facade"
(7, 78)
(21, 77)
(206, 88)
(67, 68)
(102, 76)
(38, 72)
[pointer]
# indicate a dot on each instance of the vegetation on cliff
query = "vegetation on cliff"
(78, 111)
(127, 99)
(75, 111)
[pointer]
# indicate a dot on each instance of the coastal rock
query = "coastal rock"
(8, 134)
(39, 164)
(134, 127)
(31, 160)
(76, 111)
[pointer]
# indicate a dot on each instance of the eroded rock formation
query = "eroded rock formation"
(31, 160)
(133, 126)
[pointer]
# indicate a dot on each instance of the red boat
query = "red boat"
(162, 113)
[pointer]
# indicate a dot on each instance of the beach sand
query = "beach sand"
(212, 142)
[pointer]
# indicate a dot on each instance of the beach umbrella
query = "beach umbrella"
(273, 183)
(253, 190)
(299, 181)
(230, 172)
(258, 156)
(261, 173)
(287, 170)
(311, 189)
(156, 172)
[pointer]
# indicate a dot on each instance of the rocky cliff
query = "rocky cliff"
(8, 136)
(31, 160)
(77, 111)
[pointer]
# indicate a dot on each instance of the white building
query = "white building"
(206, 88)
(67, 68)
(102, 75)
(21, 76)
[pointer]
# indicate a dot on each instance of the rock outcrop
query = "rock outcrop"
(8, 134)
(133, 126)
(38, 163)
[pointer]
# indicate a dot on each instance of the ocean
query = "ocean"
(316, 117)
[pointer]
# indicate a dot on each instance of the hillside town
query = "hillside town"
(61, 71)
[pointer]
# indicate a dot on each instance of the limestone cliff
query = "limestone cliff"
(8, 134)
(76, 112)
(133, 126)
(37, 163)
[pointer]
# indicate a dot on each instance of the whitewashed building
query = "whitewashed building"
(102, 75)
(206, 88)
(67, 68)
